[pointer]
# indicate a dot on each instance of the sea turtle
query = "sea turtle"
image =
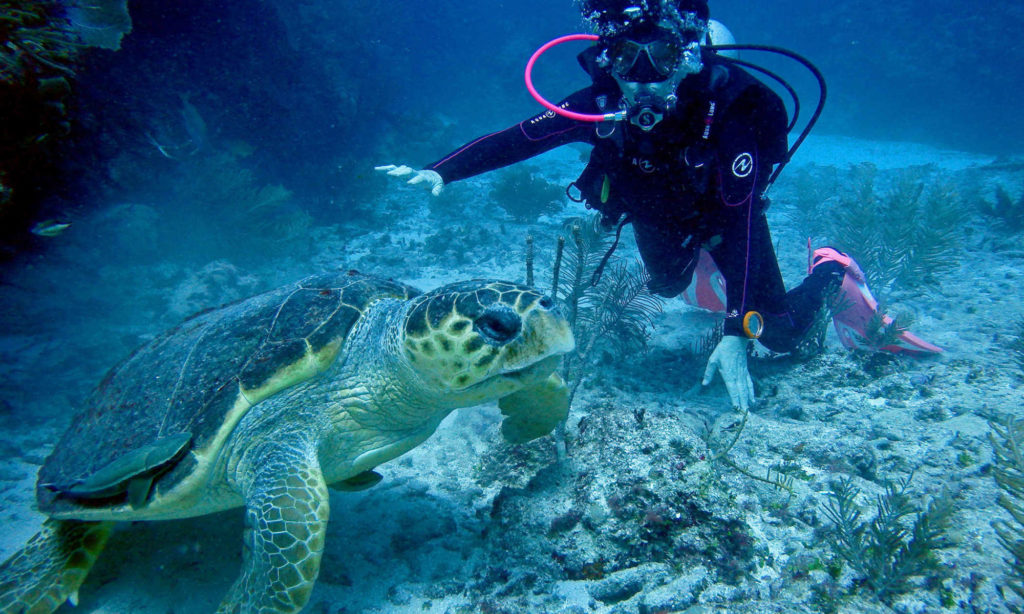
(266, 402)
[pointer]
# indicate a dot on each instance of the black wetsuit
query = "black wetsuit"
(693, 181)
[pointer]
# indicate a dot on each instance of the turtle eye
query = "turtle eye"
(546, 302)
(498, 325)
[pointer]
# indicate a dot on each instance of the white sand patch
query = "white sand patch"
(842, 151)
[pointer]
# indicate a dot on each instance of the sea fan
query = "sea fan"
(101, 23)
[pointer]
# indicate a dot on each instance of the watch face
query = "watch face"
(753, 324)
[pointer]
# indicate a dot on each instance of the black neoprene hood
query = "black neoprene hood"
(693, 6)
(614, 17)
(612, 9)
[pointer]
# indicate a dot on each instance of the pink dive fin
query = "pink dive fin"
(852, 322)
(707, 290)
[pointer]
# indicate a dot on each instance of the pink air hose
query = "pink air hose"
(586, 117)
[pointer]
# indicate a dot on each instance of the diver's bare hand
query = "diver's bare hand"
(430, 179)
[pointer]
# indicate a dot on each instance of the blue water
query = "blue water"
(948, 73)
(307, 82)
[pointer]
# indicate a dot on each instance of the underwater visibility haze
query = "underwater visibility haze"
(206, 290)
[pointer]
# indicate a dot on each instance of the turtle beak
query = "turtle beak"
(538, 370)
(546, 334)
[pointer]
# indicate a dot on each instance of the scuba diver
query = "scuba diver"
(685, 142)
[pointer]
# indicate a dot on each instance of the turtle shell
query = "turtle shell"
(176, 393)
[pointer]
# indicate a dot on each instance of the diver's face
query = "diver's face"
(658, 54)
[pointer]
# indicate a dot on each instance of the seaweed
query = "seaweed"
(904, 227)
(1017, 344)
(1008, 470)
(812, 187)
(588, 245)
(897, 544)
(814, 340)
(610, 313)
(706, 343)
(881, 333)
(525, 196)
(772, 477)
(1007, 212)
(905, 235)
(224, 206)
(614, 315)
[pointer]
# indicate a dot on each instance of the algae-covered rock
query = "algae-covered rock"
(636, 502)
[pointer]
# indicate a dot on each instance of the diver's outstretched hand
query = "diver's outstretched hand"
(430, 179)
(730, 359)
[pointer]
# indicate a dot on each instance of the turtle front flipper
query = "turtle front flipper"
(44, 574)
(287, 506)
(535, 411)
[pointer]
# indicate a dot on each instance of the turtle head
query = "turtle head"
(480, 340)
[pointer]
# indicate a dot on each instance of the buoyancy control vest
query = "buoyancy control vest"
(668, 172)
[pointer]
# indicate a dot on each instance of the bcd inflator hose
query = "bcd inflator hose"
(585, 117)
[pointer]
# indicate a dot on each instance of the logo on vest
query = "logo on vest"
(644, 165)
(743, 165)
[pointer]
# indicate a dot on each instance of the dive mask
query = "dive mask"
(660, 59)
(656, 59)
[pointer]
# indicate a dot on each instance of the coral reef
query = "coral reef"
(38, 51)
(216, 283)
(719, 453)
(37, 41)
(646, 535)
(460, 244)
(41, 46)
